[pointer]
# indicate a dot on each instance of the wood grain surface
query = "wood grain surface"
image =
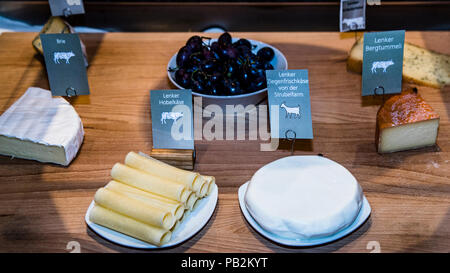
(42, 206)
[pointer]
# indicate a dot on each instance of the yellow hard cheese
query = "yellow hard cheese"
(150, 183)
(169, 205)
(210, 182)
(134, 208)
(115, 221)
(191, 201)
(192, 180)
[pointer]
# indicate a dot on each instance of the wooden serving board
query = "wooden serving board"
(42, 206)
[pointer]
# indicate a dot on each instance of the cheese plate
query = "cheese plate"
(363, 215)
(195, 220)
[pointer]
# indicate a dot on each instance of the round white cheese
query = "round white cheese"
(303, 197)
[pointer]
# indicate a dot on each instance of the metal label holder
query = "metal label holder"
(67, 12)
(69, 90)
(382, 94)
(291, 139)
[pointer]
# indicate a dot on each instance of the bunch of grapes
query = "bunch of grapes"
(222, 68)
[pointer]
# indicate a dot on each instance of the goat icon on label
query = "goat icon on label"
(291, 112)
(170, 115)
(381, 64)
(58, 56)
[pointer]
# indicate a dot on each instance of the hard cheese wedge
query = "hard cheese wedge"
(42, 128)
(420, 65)
(404, 122)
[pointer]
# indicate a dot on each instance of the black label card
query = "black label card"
(382, 62)
(288, 93)
(65, 64)
(352, 15)
(172, 119)
(66, 7)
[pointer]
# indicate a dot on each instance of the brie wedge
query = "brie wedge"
(40, 127)
(303, 197)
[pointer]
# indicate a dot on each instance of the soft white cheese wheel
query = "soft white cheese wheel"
(303, 197)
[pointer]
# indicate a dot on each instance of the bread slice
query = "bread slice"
(56, 25)
(53, 25)
(420, 66)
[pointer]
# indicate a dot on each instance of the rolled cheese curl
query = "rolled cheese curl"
(119, 186)
(196, 204)
(199, 184)
(134, 208)
(191, 201)
(185, 196)
(126, 225)
(185, 216)
(155, 167)
(203, 186)
(211, 180)
(150, 183)
(211, 187)
(176, 226)
(169, 205)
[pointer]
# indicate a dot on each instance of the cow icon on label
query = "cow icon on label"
(354, 23)
(73, 2)
(170, 115)
(291, 112)
(381, 64)
(58, 56)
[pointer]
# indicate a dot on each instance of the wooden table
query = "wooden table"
(42, 206)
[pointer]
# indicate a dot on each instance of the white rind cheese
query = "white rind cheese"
(303, 197)
(40, 127)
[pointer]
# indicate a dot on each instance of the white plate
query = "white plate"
(360, 219)
(279, 62)
(193, 223)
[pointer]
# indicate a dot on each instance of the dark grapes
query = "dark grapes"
(232, 87)
(216, 77)
(183, 77)
(196, 59)
(224, 40)
(222, 68)
(266, 53)
(216, 89)
(194, 43)
(232, 53)
(243, 51)
(209, 66)
(243, 42)
(183, 56)
(198, 87)
(268, 66)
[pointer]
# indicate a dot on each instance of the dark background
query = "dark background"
(251, 15)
